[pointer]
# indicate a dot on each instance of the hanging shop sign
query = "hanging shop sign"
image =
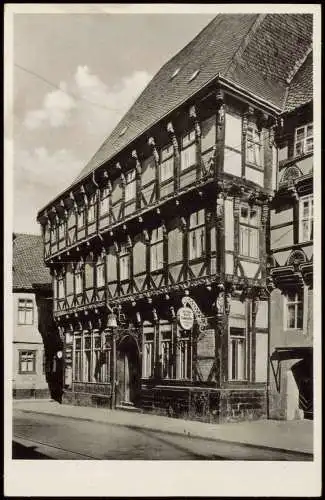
(185, 318)
(199, 316)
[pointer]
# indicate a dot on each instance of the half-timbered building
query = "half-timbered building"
(158, 250)
(291, 253)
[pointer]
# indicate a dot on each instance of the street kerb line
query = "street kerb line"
(177, 433)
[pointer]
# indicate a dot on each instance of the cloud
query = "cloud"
(87, 102)
(55, 112)
(39, 176)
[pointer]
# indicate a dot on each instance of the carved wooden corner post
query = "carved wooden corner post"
(177, 158)
(152, 144)
(220, 131)
(222, 305)
(194, 119)
(138, 171)
(255, 303)
(220, 236)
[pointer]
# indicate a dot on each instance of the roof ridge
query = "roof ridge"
(244, 43)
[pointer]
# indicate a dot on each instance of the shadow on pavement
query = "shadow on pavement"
(20, 452)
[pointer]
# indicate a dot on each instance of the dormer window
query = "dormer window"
(194, 75)
(130, 186)
(304, 140)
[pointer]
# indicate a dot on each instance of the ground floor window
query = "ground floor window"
(185, 355)
(166, 347)
(27, 361)
(148, 351)
(237, 354)
(92, 357)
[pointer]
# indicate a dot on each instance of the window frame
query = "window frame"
(309, 218)
(254, 144)
(148, 341)
(166, 159)
(194, 229)
(249, 229)
(185, 360)
(78, 271)
(130, 180)
(298, 301)
(156, 246)
(104, 196)
(100, 264)
(303, 140)
(167, 358)
(81, 213)
(27, 351)
(188, 141)
(125, 253)
(24, 308)
(91, 209)
(237, 339)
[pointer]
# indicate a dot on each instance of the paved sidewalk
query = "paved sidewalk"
(280, 434)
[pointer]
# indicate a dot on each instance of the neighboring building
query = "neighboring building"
(291, 242)
(34, 338)
(169, 222)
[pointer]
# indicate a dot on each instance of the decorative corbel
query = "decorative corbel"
(116, 246)
(84, 195)
(155, 153)
(155, 315)
(128, 241)
(170, 130)
(172, 312)
(138, 317)
(163, 227)
(90, 325)
(264, 215)
(146, 235)
(183, 223)
(123, 180)
(220, 107)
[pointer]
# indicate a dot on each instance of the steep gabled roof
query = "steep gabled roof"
(257, 52)
(301, 87)
(28, 262)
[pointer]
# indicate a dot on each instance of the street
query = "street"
(37, 436)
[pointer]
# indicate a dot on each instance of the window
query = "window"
(27, 361)
(87, 358)
(167, 163)
(104, 201)
(188, 153)
(61, 293)
(294, 310)
(61, 230)
(25, 312)
(185, 356)
(148, 351)
(249, 231)
(156, 249)
(304, 140)
(92, 209)
(166, 351)
(100, 272)
(196, 235)
(77, 359)
(130, 186)
(96, 363)
(254, 146)
(237, 354)
(106, 360)
(306, 215)
(81, 218)
(124, 263)
(78, 279)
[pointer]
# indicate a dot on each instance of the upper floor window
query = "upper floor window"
(167, 163)
(249, 231)
(188, 153)
(27, 361)
(124, 262)
(294, 308)
(25, 312)
(61, 287)
(130, 186)
(61, 230)
(304, 140)
(196, 235)
(254, 146)
(104, 201)
(78, 279)
(81, 217)
(100, 272)
(156, 249)
(306, 215)
(92, 209)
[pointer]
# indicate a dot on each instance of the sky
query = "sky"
(74, 77)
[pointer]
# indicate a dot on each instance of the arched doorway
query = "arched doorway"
(127, 371)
